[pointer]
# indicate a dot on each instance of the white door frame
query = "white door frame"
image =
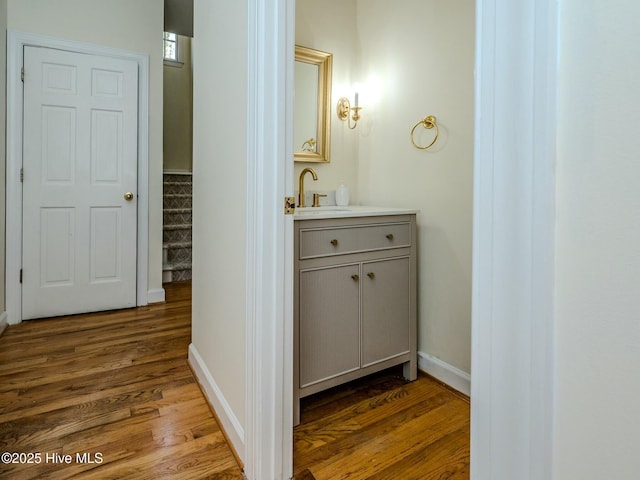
(513, 359)
(16, 41)
(513, 351)
(269, 274)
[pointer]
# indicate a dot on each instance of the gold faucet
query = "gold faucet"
(313, 173)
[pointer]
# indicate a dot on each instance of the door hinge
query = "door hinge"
(22, 74)
(20, 275)
(289, 205)
(21, 175)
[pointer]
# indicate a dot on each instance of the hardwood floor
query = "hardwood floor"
(115, 389)
(381, 427)
(110, 388)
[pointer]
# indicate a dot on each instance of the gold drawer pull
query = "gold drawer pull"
(390, 236)
(355, 277)
(371, 275)
(334, 242)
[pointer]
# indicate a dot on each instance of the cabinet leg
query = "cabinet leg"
(296, 412)
(410, 370)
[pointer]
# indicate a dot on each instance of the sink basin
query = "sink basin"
(320, 210)
(335, 211)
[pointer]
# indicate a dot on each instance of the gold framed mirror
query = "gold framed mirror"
(312, 105)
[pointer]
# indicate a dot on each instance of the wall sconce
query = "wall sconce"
(344, 108)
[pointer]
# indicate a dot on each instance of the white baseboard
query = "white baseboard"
(155, 296)
(452, 376)
(232, 428)
(3, 321)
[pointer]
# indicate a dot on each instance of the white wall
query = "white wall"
(329, 25)
(416, 57)
(219, 198)
(178, 111)
(598, 242)
(422, 54)
(133, 26)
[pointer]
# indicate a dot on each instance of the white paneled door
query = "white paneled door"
(80, 180)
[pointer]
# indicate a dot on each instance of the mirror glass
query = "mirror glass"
(311, 128)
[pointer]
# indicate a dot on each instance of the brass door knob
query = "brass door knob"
(128, 196)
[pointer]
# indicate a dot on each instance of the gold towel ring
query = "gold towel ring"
(428, 123)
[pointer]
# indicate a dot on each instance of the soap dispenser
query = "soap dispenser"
(342, 195)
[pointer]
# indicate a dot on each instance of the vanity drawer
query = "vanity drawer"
(322, 242)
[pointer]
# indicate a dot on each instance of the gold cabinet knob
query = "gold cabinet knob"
(334, 242)
(128, 196)
(355, 277)
(390, 236)
(371, 275)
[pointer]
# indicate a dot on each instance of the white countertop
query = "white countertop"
(333, 211)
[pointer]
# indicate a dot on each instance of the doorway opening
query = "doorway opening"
(385, 55)
(177, 158)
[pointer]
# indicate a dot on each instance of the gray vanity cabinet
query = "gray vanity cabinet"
(386, 297)
(354, 300)
(329, 306)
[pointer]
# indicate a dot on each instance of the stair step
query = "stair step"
(182, 235)
(177, 200)
(179, 275)
(177, 183)
(176, 176)
(177, 210)
(177, 195)
(177, 188)
(177, 217)
(176, 252)
(177, 244)
(183, 226)
(177, 266)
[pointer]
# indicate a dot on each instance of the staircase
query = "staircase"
(176, 234)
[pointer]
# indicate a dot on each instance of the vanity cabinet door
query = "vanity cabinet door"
(329, 332)
(386, 316)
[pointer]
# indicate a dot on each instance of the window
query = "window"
(171, 48)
